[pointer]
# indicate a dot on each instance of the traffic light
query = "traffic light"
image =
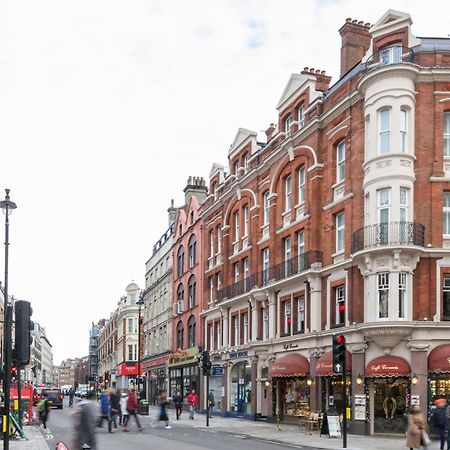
(206, 363)
(13, 373)
(23, 327)
(339, 349)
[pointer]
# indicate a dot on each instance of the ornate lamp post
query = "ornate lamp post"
(7, 205)
(140, 302)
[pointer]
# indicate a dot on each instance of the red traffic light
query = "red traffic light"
(340, 339)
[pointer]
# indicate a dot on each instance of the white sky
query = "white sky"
(106, 108)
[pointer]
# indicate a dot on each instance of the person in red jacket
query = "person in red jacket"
(193, 403)
(132, 406)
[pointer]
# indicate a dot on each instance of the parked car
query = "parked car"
(55, 397)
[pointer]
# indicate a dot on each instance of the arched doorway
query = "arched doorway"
(241, 388)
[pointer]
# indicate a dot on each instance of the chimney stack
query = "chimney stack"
(355, 42)
(172, 213)
(196, 187)
(322, 80)
(269, 132)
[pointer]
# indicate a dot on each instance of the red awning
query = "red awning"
(387, 366)
(292, 365)
(439, 359)
(324, 365)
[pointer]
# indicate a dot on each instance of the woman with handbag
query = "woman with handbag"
(416, 434)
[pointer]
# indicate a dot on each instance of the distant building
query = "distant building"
(93, 349)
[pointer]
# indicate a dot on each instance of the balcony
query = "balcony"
(389, 233)
(279, 272)
(390, 55)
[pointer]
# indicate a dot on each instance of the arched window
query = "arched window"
(180, 334)
(180, 298)
(192, 287)
(180, 261)
(191, 331)
(192, 250)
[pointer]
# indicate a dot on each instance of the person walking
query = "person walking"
(71, 396)
(123, 408)
(114, 403)
(163, 402)
(211, 402)
(44, 410)
(416, 427)
(178, 402)
(193, 403)
(132, 406)
(84, 422)
(104, 411)
(439, 420)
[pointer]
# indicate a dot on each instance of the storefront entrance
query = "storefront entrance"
(390, 404)
(241, 388)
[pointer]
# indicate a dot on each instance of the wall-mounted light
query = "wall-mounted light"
(267, 383)
(359, 379)
(414, 379)
(309, 382)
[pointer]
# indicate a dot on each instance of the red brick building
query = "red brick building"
(183, 367)
(339, 223)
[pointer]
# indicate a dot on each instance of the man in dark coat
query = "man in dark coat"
(178, 401)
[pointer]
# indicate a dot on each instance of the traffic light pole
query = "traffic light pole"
(344, 403)
(207, 399)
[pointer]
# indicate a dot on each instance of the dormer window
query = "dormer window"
(301, 116)
(236, 168)
(287, 126)
(391, 55)
(245, 162)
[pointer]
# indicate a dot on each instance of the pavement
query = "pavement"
(259, 430)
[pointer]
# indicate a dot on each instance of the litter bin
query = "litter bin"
(143, 407)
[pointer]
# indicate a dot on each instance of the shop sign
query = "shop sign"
(217, 371)
(384, 367)
(183, 357)
(290, 346)
(415, 400)
(128, 369)
(325, 365)
(238, 354)
(154, 363)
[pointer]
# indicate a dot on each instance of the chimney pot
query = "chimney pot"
(367, 25)
(311, 70)
(318, 71)
(348, 19)
(354, 21)
(323, 72)
(306, 69)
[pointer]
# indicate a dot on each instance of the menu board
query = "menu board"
(360, 407)
(334, 426)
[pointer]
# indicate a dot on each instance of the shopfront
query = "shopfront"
(332, 388)
(184, 374)
(387, 381)
(127, 374)
(156, 371)
(241, 388)
(290, 376)
(439, 373)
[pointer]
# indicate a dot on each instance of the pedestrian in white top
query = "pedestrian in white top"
(123, 408)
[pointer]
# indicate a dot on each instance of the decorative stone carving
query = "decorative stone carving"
(418, 346)
(383, 164)
(381, 262)
(359, 347)
(386, 337)
(405, 163)
(316, 352)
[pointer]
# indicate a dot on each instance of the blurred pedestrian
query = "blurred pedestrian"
(85, 419)
(178, 402)
(132, 406)
(104, 411)
(123, 408)
(163, 401)
(211, 402)
(44, 410)
(416, 428)
(440, 421)
(193, 403)
(114, 404)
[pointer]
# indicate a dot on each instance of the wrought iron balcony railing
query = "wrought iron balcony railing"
(279, 272)
(388, 233)
(390, 55)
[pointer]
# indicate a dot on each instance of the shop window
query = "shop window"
(191, 331)
(301, 314)
(447, 133)
(296, 397)
(180, 334)
(383, 295)
(192, 288)
(402, 278)
(241, 388)
(446, 298)
(384, 131)
(339, 293)
(180, 261)
(301, 185)
(266, 208)
(340, 162)
(287, 193)
(192, 251)
(340, 232)
(446, 214)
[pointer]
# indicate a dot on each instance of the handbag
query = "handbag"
(425, 438)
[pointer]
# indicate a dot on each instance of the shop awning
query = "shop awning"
(387, 366)
(324, 365)
(439, 359)
(292, 365)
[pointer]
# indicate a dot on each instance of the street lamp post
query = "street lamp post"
(7, 205)
(140, 302)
